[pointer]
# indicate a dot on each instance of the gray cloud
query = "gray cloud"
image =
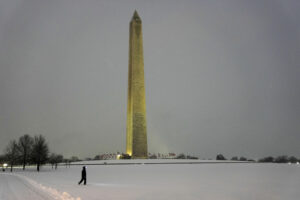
(221, 76)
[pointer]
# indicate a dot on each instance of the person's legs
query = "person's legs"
(80, 181)
(84, 181)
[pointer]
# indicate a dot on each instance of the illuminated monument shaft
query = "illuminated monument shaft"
(136, 109)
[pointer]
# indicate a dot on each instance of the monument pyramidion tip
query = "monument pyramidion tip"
(136, 17)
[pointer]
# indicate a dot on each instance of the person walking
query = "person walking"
(83, 176)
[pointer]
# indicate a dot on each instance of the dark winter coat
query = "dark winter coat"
(83, 173)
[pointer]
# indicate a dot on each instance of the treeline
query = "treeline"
(183, 156)
(280, 159)
(268, 159)
(28, 150)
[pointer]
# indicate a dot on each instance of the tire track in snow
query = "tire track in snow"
(19, 187)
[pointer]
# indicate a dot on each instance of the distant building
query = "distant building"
(106, 156)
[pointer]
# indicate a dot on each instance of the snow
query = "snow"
(15, 187)
(117, 180)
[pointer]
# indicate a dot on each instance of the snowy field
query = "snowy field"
(211, 181)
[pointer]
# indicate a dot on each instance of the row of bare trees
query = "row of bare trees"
(269, 159)
(30, 150)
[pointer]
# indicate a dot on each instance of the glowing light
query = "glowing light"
(5, 165)
(129, 152)
(118, 157)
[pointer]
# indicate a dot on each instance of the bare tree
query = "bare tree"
(40, 151)
(181, 156)
(266, 159)
(25, 147)
(220, 157)
(234, 158)
(59, 159)
(243, 158)
(2, 158)
(12, 153)
(54, 159)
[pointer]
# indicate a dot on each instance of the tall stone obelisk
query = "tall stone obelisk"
(136, 144)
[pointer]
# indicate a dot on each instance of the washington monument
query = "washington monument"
(136, 144)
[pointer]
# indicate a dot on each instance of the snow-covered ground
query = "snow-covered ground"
(246, 181)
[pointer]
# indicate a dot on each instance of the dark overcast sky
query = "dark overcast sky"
(220, 76)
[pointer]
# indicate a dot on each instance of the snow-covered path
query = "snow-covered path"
(14, 187)
(18, 187)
